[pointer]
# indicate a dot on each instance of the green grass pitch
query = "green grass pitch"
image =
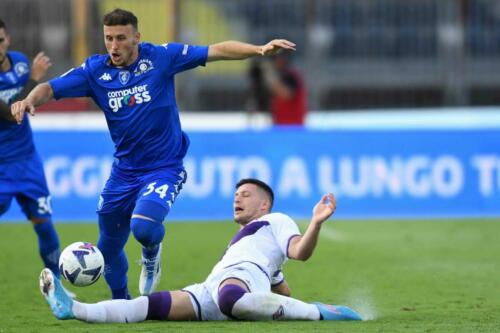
(406, 276)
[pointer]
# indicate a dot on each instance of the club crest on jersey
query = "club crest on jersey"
(21, 68)
(124, 77)
(144, 66)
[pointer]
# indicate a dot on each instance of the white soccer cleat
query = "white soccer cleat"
(150, 273)
(60, 302)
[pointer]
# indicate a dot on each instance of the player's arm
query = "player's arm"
(234, 50)
(73, 83)
(38, 96)
(41, 63)
(302, 247)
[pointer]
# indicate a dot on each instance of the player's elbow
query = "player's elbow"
(301, 256)
(304, 257)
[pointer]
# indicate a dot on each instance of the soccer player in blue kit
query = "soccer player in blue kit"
(21, 169)
(134, 86)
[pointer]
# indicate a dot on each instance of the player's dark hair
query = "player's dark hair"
(120, 17)
(260, 184)
(2, 25)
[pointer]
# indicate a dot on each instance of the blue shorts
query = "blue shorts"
(25, 181)
(123, 191)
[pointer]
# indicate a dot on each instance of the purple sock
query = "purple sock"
(228, 296)
(159, 305)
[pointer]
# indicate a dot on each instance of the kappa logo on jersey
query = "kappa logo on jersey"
(105, 77)
(21, 68)
(128, 97)
(144, 66)
(124, 77)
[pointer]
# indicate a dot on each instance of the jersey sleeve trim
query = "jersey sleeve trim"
(278, 278)
(288, 244)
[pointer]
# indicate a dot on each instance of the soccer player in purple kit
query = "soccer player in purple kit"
(21, 169)
(246, 284)
(134, 86)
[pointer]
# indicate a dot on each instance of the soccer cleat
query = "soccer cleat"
(69, 292)
(337, 312)
(150, 273)
(60, 302)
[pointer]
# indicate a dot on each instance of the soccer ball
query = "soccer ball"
(81, 264)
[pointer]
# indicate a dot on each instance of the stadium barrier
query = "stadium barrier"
(410, 170)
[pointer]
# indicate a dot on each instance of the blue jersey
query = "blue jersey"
(16, 141)
(138, 102)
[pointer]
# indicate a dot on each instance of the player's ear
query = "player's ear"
(137, 37)
(266, 205)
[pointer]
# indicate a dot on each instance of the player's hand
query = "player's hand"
(18, 109)
(39, 67)
(275, 46)
(324, 208)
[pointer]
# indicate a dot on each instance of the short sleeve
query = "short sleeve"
(284, 229)
(73, 83)
(182, 57)
(277, 278)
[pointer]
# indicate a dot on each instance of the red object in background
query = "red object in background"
(290, 111)
(67, 105)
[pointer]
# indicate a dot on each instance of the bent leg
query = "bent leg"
(152, 206)
(147, 227)
(236, 301)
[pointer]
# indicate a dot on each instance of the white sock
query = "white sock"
(113, 311)
(269, 306)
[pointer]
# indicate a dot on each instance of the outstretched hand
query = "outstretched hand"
(275, 46)
(324, 208)
(18, 109)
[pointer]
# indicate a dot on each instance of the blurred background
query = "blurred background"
(400, 102)
(354, 54)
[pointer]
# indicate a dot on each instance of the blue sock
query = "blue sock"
(149, 234)
(114, 231)
(48, 245)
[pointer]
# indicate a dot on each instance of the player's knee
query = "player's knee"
(146, 223)
(159, 307)
(147, 232)
(228, 296)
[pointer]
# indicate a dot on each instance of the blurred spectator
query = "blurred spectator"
(259, 94)
(280, 89)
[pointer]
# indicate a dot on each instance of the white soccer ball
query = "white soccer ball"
(81, 264)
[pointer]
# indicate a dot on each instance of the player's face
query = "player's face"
(122, 44)
(4, 46)
(249, 204)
